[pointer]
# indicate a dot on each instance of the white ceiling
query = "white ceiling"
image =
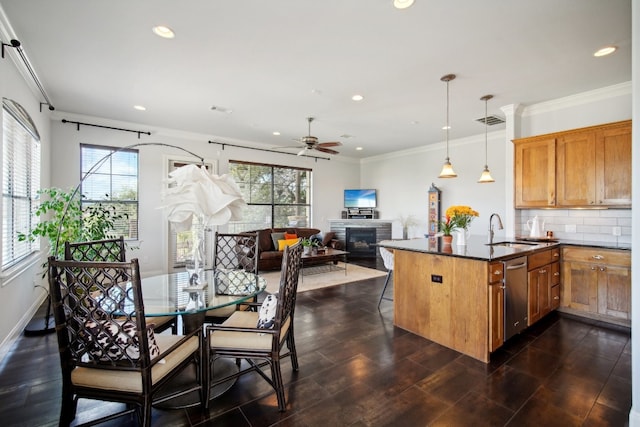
(274, 63)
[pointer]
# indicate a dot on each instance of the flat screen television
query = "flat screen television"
(359, 198)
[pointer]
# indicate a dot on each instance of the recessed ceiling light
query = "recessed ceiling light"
(359, 148)
(140, 107)
(276, 133)
(402, 4)
(164, 32)
(414, 122)
(607, 50)
(357, 97)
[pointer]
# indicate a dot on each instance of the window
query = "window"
(277, 196)
(20, 181)
(111, 178)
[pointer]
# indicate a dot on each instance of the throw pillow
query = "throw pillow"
(111, 339)
(267, 315)
(289, 236)
(284, 243)
(275, 237)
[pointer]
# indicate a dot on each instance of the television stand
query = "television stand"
(361, 213)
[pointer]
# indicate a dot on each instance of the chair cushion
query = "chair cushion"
(117, 337)
(131, 381)
(267, 314)
(244, 340)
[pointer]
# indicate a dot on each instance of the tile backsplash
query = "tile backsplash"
(589, 225)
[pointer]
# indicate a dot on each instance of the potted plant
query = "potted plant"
(447, 227)
(64, 220)
(309, 246)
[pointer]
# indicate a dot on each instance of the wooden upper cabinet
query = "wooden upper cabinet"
(535, 174)
(575, 167)
(613, 166)
(588, 167)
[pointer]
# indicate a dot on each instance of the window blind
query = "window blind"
(20, 181)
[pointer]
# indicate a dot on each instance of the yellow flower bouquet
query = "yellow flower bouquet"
(461, 215)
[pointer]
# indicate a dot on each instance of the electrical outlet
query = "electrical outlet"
(617, 231)
(570, 228)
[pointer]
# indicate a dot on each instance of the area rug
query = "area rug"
(324, 279)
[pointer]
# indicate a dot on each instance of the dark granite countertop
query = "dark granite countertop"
(477, 247)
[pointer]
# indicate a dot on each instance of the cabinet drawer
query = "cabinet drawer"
(597, 256)
(496, 272)
(539, 259)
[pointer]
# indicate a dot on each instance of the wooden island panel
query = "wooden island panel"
(454, 313)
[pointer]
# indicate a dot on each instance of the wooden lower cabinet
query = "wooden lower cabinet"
(496, 306)
(597, 281)
(543, 276)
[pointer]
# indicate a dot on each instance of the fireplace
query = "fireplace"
(361, 242)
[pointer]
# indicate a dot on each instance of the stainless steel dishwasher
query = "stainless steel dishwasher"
(515, 296)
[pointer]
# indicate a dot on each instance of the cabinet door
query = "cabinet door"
(535, 183)
(496, 316)
(575, 169)
(555, 297)
(613, 166)
(614, 291)
(533, 314)
(580, 286)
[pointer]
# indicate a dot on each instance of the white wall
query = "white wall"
(403, 180)
(329, 176)
(19, 298)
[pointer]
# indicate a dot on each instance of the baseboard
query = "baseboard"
(16, 331)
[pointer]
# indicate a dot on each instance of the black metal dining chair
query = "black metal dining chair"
(107, 350)
(259, 338)
(232, 252)
(113, 250)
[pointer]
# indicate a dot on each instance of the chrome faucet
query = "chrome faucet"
(491, 232)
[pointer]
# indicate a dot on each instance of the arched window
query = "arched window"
(20, 181)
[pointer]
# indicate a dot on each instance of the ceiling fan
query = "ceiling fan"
(311, 143)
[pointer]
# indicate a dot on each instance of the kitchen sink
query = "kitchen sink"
(515, 245)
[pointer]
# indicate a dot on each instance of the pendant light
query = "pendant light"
(447, 169)
(486, 175)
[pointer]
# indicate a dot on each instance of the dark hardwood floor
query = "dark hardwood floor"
(357, 369)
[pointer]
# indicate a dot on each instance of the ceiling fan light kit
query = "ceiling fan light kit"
(447, 169)
(486, 175)
(311, 143)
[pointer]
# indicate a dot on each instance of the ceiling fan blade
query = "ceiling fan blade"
(301, 152)
(327, 150)
(330, 144)
(280, 147)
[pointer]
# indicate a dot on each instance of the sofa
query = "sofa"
(270, 258)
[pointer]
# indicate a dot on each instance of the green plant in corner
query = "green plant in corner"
(64, 220)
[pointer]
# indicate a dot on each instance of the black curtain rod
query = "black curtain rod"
(265, 149)
(17, 46)
(139, 132)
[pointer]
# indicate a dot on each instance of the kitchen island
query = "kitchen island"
(447, 294)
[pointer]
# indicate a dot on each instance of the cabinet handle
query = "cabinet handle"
(603, 268)
(556, 297)
(556, 254)
(597, 257)
(557, 273)
(497, 272)
(593, 268)
(542, 271)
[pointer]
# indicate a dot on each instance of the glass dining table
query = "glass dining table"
(172, 294)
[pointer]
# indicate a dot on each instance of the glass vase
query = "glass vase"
(195, 264)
